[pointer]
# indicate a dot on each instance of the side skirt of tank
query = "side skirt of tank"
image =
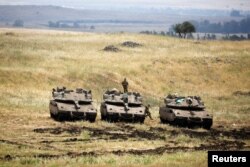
(133, 118)
(183, 122)
(74, 116)
(207, 123)
(115, 117)
(180, 122)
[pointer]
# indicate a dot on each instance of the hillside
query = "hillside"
(32, 13)
(32, 62)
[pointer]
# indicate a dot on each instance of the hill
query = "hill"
(32, 62)
(127, 19)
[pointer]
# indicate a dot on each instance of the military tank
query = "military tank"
(119, 106)
(72, 105)
(185, 111)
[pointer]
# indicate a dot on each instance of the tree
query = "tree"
(235, 13)
(177, 28)
(187, 28)
(184, 29)
(54, 24)
(163, 33)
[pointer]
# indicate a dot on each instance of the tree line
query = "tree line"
(233, 26)
(61, 24)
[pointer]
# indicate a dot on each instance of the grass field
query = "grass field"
(32, 62)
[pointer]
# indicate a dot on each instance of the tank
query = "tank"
(72, 105)
(118, 106)
(185, 111)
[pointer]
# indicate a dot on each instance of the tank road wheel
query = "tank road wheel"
(174, 122)
(115, 118)
(141, 120)
(59, 118)
(207, 126)
(184, 123)
(52, 115)
(112, 118)
(163, 121)
(91, 119)
(103, 117)
(109, 118)
(56, 117)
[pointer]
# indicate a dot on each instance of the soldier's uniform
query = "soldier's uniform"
(189, 101)
(147, 112)
(125, 85)
(125, 101)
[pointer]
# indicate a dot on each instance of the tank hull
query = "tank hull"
(68, 112)
(185, 118)
(112, 113)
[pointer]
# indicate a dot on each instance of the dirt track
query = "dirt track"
(125, 132)
(128, 132)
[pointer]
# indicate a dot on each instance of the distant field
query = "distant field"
(32, 62)
(106, 20)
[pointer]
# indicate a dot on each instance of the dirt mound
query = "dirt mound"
(241, 93)
(8, 157)
(131, 44)
(10, 34)
(111, 48)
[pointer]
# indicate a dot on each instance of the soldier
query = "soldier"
(125, 101)
(189, 101)
(147, 112)
(125, 85)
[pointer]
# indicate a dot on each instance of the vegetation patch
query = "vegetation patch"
(111, 48)
(241, 93)
(131, 44)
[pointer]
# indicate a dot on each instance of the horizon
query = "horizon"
(113, 4)
(126, 16)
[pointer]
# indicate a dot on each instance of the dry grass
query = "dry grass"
(32, 62)
(179, 159)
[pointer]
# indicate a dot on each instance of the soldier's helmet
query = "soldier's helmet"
(189, 101)
(114, 90)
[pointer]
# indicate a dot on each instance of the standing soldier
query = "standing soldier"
(147, 112)
(125, 101)
(125, 85)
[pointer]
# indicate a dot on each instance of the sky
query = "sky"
(197, 4)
